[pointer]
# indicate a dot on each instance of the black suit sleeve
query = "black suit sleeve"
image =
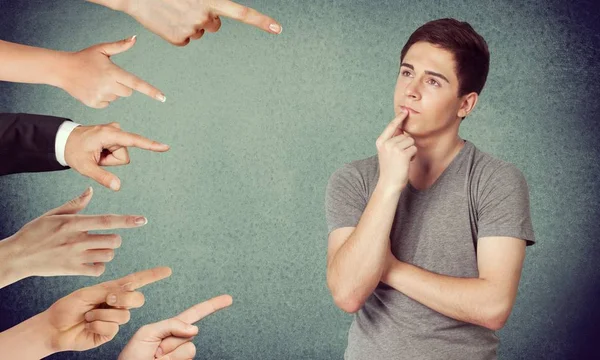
(27, 143)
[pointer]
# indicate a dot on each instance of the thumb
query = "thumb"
(117, 47)
(169, 327)
(75, 205)
(103, 177)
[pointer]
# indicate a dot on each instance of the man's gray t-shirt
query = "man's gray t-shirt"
(436, 229)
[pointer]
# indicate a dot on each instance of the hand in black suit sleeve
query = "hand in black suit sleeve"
(27, 143)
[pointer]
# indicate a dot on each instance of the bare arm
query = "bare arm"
(486, 301)
(356, 257)
(28, 340)
(28, 64)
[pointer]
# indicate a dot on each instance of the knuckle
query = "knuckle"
(130, 220)
(202, 20)
(135, 82)
(105, 220)
(244, 12)
(63, 225)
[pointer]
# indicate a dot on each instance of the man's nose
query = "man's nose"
(412, 90)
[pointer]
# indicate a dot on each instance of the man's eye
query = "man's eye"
(405, 73)
(433, 82)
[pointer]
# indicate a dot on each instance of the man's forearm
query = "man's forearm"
(28, 64)
(28, 340)
(356, 268)
(473, 300)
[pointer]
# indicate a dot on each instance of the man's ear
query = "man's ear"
(467, 105)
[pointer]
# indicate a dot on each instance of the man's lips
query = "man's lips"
(410, 110)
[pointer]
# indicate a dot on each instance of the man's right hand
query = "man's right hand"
(395, 149)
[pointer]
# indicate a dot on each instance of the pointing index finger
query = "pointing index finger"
(246, 15)
(140, 279)
(140, 85)
(203, 309)
(127, 139)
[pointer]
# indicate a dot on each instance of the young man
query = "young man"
(427, 239)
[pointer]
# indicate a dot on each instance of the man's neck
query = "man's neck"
(434, 154)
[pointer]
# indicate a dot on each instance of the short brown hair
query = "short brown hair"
(470, 50)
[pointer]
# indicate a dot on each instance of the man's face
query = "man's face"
(427, 87)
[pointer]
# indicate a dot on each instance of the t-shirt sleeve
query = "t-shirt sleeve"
(345, 198)
(503, 209)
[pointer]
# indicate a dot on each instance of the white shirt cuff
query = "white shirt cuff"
(64, 130)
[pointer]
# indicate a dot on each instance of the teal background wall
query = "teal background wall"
(257, 123)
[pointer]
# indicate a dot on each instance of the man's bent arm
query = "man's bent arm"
(486, 301)
(357, 256)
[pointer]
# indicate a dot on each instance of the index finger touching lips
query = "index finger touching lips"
(390, 130)
(203, 309)
(246, 15)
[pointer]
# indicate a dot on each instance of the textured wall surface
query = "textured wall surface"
(258, 122)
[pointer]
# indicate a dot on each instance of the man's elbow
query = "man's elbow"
(496, 318)
(345, 300)
(347, 303)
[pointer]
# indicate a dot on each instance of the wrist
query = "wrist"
(30, 339)
(46, 335)
(388, 189)
(11, 268)
(56, 63)
(392, 268)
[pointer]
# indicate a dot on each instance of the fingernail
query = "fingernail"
(114, 184)
(159, 352)
(141, 221)
(112, 299)
(89, 316)
(191, 328)
(132, 38)
(161, 98)
(87, 192)
(275, 28)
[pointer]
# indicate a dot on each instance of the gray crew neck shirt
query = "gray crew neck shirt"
(437, 229)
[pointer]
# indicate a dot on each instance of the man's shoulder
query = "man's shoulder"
(368, 165)
(360, 172)
(491, 168)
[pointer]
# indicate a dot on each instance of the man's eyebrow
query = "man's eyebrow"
(427, 72)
